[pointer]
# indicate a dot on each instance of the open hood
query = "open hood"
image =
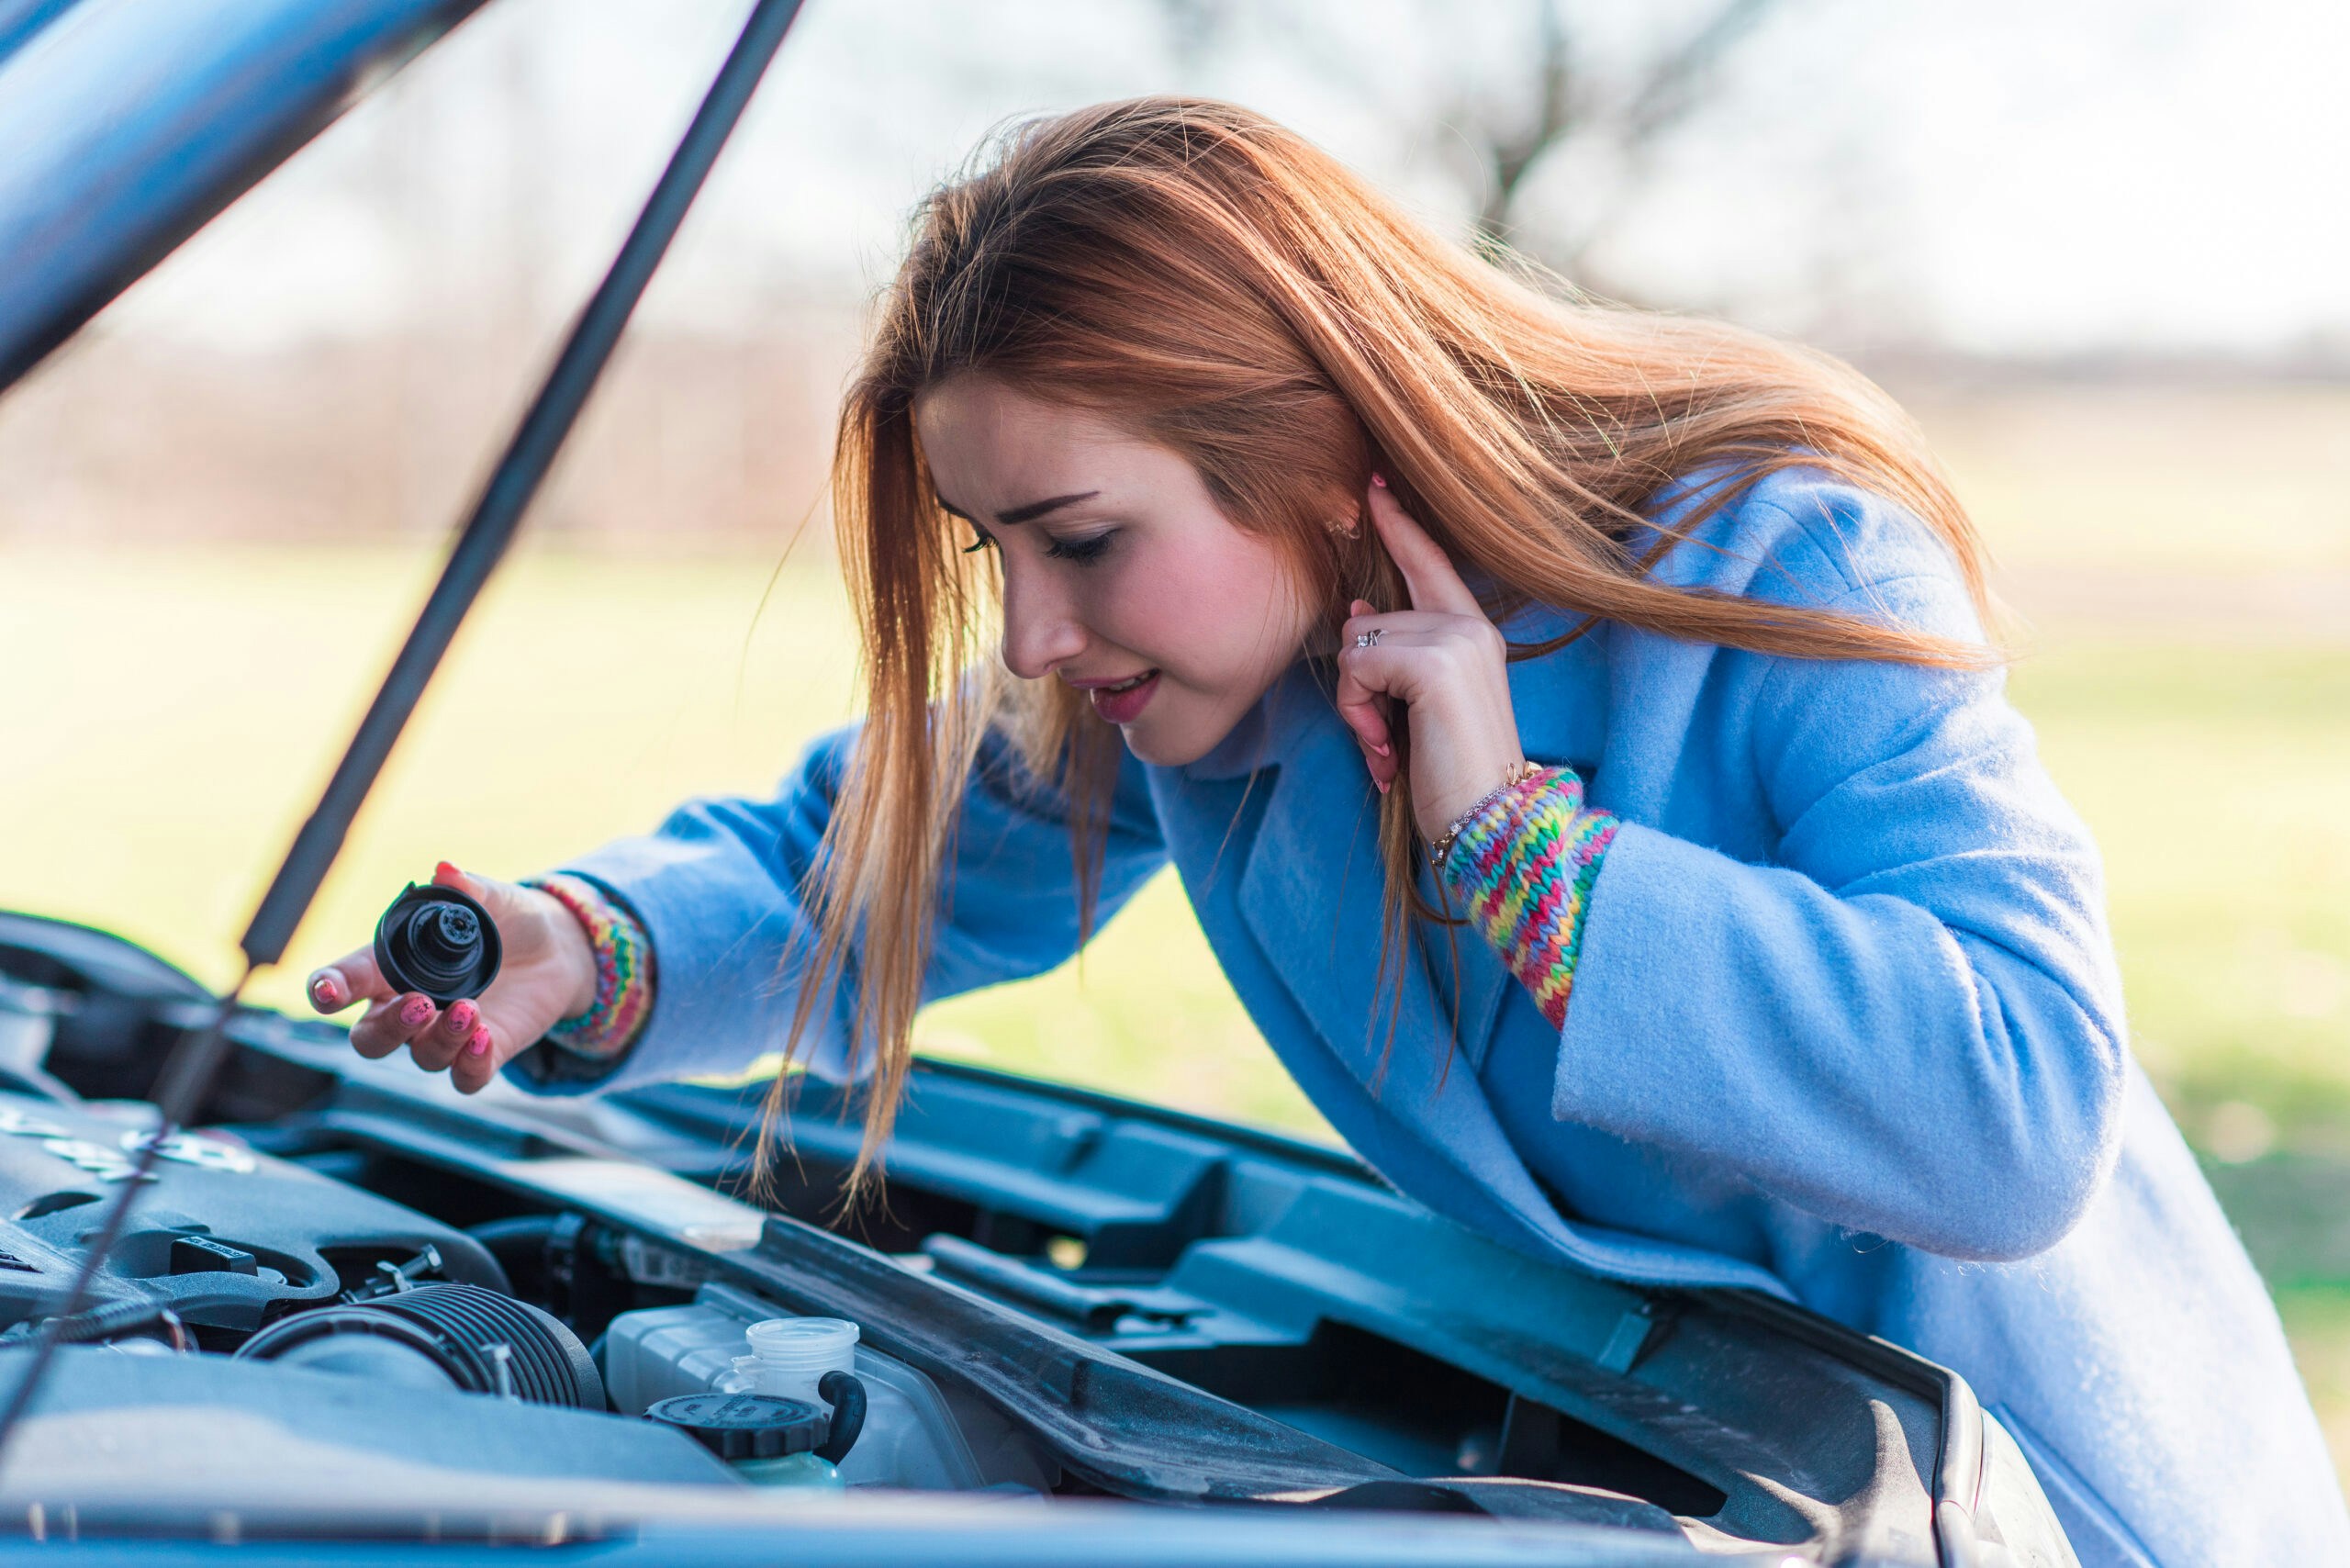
(125, 125)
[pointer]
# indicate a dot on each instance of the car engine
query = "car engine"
(224, 1240)
(240, 1265)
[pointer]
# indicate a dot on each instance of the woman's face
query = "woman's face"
(1120, 575)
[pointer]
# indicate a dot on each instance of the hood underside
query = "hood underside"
(127, 125)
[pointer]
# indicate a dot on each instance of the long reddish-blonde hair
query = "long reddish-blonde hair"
(1215, 283)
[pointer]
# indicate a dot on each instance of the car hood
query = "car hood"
(128, 125)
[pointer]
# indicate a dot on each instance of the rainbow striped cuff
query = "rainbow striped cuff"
(623, 968)
(1523, 864)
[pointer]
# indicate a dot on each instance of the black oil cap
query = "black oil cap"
(744, 1425)
(438, 941)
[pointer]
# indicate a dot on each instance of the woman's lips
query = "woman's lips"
(1123, 703)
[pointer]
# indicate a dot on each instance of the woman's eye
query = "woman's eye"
(1083, 551)
(984, 542)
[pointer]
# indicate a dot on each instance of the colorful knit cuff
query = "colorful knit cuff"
(623, 968)
(1523, 865)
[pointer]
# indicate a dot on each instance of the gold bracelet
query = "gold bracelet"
(1443, 846)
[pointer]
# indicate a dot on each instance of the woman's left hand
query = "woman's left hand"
(1445, 662)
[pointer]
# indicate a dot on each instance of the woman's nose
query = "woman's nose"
(1039, 631)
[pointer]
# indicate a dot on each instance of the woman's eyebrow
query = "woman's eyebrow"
(1028, 513)
(1035, 509)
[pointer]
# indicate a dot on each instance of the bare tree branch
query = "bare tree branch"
(1574, 103)
(1511, 157)
(1674, 85)
(1574, 99)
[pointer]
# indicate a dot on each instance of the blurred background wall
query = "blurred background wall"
(2099, 250)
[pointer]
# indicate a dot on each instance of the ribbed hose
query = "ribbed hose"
(455, 1326)
(549, 1365)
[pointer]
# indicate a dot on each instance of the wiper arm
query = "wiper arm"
(187, 1074)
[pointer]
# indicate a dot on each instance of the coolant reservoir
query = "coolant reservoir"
(912, 1439)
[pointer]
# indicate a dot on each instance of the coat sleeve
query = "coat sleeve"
(1909, 1023)
(718, 885)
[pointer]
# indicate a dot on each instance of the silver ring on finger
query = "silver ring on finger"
(1370, 639)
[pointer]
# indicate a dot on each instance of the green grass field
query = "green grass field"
(169, 712)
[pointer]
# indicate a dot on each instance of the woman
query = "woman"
(1381, 594)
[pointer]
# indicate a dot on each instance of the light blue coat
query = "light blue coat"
(1847, 1025)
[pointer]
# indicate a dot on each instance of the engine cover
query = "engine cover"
(225, 1235)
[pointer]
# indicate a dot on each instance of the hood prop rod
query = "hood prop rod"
(188, 1072)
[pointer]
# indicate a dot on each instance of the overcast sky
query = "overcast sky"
(1998, 176)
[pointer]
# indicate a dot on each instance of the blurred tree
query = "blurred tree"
(1630, 106)
(1552, 111)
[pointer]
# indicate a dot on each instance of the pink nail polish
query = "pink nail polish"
(1379, 481)
(1385, 750)
(479, 1045)
(416, 1011)
(461, 1018)
(325, 993)
(1384, 785)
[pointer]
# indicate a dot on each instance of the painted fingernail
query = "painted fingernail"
(461, 1018)
(1385, 750)
(325, 994)
(1378, 480)
(479, 1045)
(414, 1010)
(1384, 785)
(444, 871)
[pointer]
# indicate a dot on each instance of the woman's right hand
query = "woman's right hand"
(549, 974)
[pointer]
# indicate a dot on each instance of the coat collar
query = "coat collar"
(1312, 885)
(1276, 834)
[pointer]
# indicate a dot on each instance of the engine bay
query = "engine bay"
(241, 1262)
(350, 1287)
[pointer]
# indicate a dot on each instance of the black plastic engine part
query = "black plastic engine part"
(845, 1394)
(1117, 1426)
(762, 1428)
(202, 1255)
(743, 1426)
(565, 1260)
(112, 1012)
(231, 1238)
(477, 1340)
(114, 1009)
(759, 1426)
(438, 941)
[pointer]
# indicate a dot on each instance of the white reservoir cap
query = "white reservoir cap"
(790, 1355)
